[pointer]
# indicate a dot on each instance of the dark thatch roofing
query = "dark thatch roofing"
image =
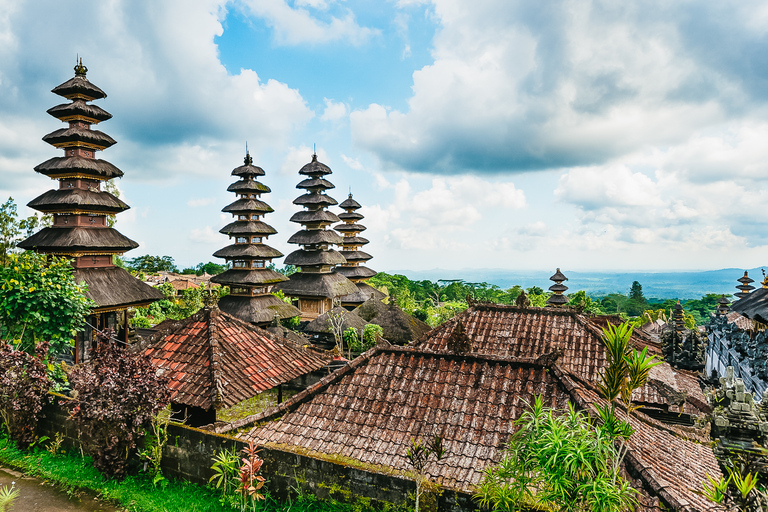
(315, 199)
(356, 256)
(79, 86)
(248, 251)
(307, 216)
(364, 290)
(354, 240)
(351, 216)
(74, 135)
(69, 199)
(357, 272)
(257, 310)
(399, 327)
(303, 258)
(238, 276)
(315, 183)
(249, 186)
(79, 108)
(754, 305)
(212, 359)
(113, 286)
(350, 204)
(284, 332)
(349, 228)
(309, 284)
(315, 168)
(248, 206)
(78, 239)
(248, 169)
(323, 323)
(63, 166)
(248, 227)
(315, 236)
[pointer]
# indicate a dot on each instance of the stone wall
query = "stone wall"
(189, 453)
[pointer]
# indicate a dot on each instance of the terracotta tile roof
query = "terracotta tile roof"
(370, 410)
(213, 359)
(510, 331)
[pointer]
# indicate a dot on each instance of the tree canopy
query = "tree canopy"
(13, 230)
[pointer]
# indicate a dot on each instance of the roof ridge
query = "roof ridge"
(214, 348)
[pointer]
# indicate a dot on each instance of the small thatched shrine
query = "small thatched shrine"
(317, 284)
(81, 212)
(250, 281)
(214, 360)
(354, 269)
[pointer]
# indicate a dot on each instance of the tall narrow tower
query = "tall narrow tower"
(250, 281)
(80, 209)
(316, 285)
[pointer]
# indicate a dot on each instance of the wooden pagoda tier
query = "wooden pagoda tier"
(80, 209)
(317, 284)
(354, 268)
(250, 281)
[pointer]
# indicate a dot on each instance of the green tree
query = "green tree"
(149, 263)
(40, 301)
(13, 230)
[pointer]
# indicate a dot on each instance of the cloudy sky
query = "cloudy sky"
(586, 135)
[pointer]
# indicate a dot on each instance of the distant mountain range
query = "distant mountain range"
(662, 285)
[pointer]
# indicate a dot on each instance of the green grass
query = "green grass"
(137, 494)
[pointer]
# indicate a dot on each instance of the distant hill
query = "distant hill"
(662, 285)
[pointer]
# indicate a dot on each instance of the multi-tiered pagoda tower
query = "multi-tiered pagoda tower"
(80, 209)
(558, 289)
(250, 281)
(317, 284)
(354, 269)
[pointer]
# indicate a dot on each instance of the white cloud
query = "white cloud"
(298, 157)
(352, 162)
(203, 201)
(294, 26)
(206, 235)
(333, 110)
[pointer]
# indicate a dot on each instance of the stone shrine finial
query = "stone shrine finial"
(557, 298)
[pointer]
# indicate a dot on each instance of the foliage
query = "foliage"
(7, 496)
(41, 301)
(118, 395)
(584, 302)
(13, 230)
(172, 307)
(153, 447)
(372, 333)
(419, 455)
(336, 327)
(210, 268)
(149, 263)
(238, 478)
(556, 460)
(740, 491)
(352, 339)
(24, 386)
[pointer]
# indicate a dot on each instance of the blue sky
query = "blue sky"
(585, 135)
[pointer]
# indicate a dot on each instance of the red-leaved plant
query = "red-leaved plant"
(250, 480)
(24, 386)
(117, 395)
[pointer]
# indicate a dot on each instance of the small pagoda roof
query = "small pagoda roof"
(356, 255)
(399, 327)
(214, 360)
(558, 276)
(745, 279)
(310, 284)
(69, 166)
(315, 168)
(77, 199)
(78, 239)
(315, 184)
(79, 110)
(248, 227)
(113, 287)
(350, 228)
(261, 309)
(322, 323)
(79, 87)
(357, 272)
(247, 251)
(302, 258)
(314, 199)
(354, 240)
(364, 290)
(315, 236)
(558, 288)
(248, 206)
(248, 169)
(351, 216)
(311, 216)
(249, 186)
(350, 204)
(246, 277)
(76, 136)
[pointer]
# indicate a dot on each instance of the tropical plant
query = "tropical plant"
(153, 448)
(238, 477)
(372, 333)
(557, 460)
(41, 301)
(225, 471)
(8, 495)
(352, 340)
(419, 455)
(118, 394)
(24, 386)
(739, 492)
(13, 230)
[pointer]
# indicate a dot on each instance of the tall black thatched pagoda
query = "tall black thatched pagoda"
(80, 209)
(316, 285)
(354, 269)
(250, 281)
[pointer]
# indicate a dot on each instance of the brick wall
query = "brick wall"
(189, 452)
